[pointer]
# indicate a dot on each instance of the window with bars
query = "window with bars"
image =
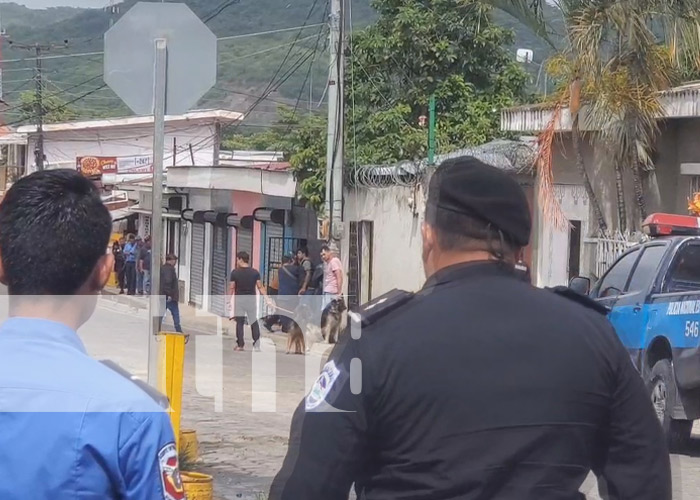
(694, 185)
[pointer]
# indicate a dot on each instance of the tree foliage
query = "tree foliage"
(620, 55)
(450, 48)
(54, 108)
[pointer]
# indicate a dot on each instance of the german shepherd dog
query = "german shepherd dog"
(332, 320)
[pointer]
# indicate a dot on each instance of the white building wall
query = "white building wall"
(397, 213)
(62, 148)
(554, 243)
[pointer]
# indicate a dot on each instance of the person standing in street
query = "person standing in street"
(169, 287)
(245, 280)
(479, 386)
(72, 427)
(305, 271)
(144, 265)
(332, 276)
(119, 264)
(139, 271)
(288, 275)
(130, 257)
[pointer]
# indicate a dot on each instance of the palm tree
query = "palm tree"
(625, 52)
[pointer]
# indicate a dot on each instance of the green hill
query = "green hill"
(246, 64)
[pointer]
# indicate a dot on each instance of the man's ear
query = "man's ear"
(3, 278)
(102, 272)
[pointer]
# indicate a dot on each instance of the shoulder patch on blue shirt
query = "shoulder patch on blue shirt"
(170, 473)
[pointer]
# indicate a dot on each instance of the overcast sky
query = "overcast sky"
(39, 4)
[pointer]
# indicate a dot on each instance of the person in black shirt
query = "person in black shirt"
(169, 287)
(244, 281)
(480, 386)
(143, 265)
(119, 264)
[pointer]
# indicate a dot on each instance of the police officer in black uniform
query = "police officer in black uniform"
(479, 386)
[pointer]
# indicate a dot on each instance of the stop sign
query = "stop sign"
(129, 59)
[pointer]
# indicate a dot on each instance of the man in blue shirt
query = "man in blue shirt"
(131, 253)
(71, 426)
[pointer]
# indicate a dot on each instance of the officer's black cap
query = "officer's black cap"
(470, 187)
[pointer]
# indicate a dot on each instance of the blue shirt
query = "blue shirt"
(71, 428)
(131, 251)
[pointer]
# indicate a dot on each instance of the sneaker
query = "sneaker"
(256, 346)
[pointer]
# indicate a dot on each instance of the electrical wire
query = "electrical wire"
(216, 12)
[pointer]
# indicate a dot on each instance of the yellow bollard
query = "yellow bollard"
(171, 365)
(112, 282)
(197, 486)
(189, 447)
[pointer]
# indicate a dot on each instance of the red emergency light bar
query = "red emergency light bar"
(671, 225)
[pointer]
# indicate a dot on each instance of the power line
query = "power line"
(222, 39)
(271, 32)
(220, 9)
(264, 51)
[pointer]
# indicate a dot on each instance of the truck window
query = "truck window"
(646, 268)
(616, 278)
(684, 275)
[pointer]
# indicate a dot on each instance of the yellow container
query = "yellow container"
(189, 447)
(171, 365)
(197, 486)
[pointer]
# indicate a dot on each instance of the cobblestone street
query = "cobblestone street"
(244, 449)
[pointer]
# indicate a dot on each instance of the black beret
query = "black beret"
(470, 187)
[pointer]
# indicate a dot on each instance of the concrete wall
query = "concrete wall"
(62, 148)
(244, 203)
(396, 251)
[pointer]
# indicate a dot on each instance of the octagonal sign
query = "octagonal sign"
(129, 59)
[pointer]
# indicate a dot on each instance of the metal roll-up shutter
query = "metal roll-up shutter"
(219, 270)
(274, 248)
(197, 264)
(244, 241)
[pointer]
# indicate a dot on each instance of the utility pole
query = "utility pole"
(431, 130)
(3, 34)
(336, 106)
(38, 96)
(113, 9)
(38, 101)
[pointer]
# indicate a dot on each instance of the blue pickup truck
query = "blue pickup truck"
(653, 294)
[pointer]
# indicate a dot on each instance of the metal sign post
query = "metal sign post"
(159, 57)
(156, 309)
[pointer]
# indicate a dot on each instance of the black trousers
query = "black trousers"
(246, 312)
(121, 277)
(240, 332)
(131, 278)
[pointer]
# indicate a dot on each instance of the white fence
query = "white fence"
(609, 247)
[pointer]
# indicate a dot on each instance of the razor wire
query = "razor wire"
(516, 157)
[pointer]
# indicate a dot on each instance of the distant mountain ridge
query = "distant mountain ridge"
(246, 65)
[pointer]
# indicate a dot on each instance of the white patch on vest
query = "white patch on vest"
(322, 387)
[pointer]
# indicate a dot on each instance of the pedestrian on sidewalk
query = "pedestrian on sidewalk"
(245, 280)
(169, 287)
(130, 255)
(72, 427)
(332, 276)
(119, 264)
(287, 298)
(139, 271)
(144, 266)
(306, 270)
